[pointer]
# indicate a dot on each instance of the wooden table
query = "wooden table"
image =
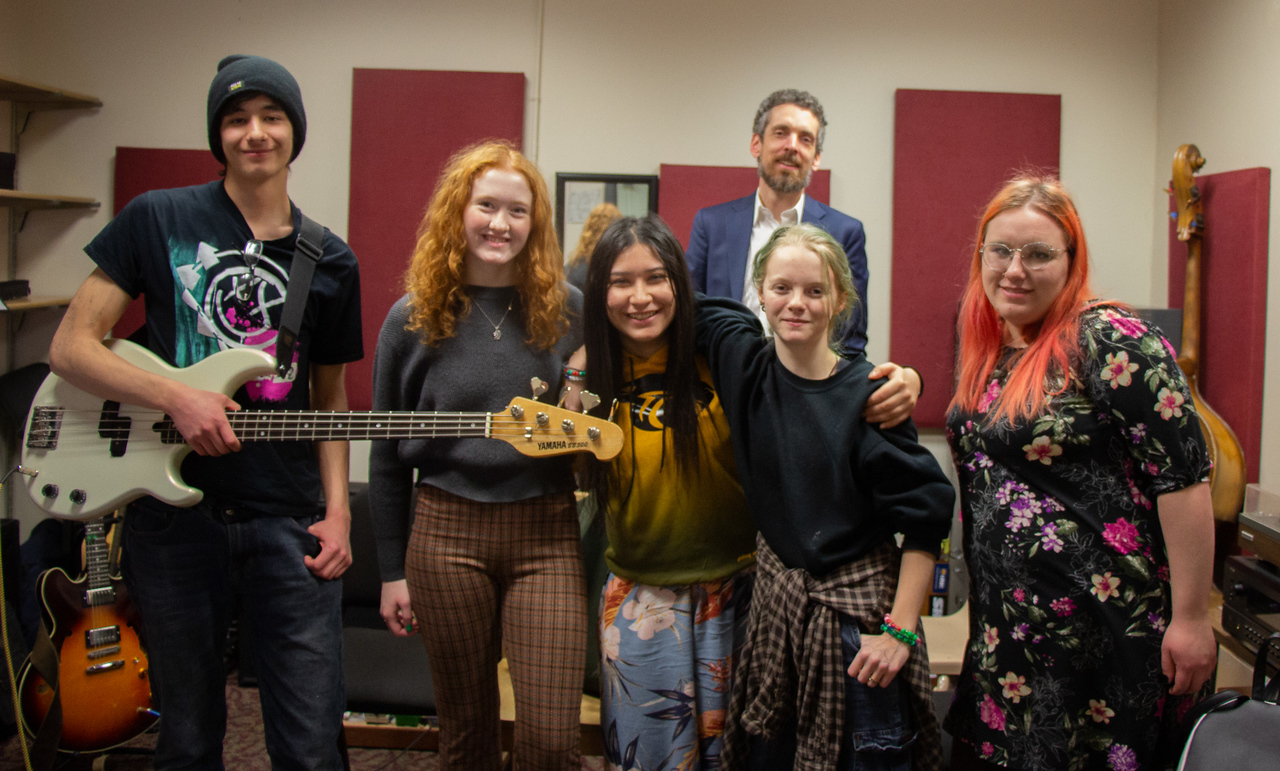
(947, 637)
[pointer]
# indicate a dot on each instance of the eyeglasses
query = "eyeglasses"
(1035, 256)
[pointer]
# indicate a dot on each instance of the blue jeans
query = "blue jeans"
(183, 568)
(879, 727)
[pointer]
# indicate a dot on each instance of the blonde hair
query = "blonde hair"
(600, 218)
(437, 268)
(832, 255)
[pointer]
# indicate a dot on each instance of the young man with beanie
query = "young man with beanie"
(213, 262)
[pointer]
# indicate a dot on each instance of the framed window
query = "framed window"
(577, 194)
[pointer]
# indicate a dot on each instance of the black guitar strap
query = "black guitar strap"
(306, 253)
(44, 659)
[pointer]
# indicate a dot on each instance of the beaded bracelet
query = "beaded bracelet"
(575, 375)
(905, 636)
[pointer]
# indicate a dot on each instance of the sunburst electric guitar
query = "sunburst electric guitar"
(102, 669)
(83, 457)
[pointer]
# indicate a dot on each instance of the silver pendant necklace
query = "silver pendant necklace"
(497, 328)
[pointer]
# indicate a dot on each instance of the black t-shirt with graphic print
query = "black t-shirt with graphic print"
(182, 249)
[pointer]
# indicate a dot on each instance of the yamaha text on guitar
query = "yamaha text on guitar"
(102, 670)
(84, 457)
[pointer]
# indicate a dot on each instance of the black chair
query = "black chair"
(384, 673)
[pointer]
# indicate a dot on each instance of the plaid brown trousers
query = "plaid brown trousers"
(792, 665)
(493, 578)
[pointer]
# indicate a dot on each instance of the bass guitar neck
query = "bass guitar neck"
(84, 456)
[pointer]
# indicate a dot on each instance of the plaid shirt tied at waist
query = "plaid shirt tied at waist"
(792, 664)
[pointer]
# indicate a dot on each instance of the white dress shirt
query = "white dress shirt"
(762, 227)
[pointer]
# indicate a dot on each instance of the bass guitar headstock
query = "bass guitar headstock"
(538, 429)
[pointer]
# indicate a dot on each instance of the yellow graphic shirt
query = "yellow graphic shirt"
(665, 528)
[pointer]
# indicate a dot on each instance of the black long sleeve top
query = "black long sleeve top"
(824, 486)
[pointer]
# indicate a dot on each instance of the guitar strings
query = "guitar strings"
(286, 425)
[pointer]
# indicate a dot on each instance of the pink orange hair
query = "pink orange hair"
(436, 270)
(1043, 369)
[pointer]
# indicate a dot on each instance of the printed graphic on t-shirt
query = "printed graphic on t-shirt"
(223, 304)
(646, 396)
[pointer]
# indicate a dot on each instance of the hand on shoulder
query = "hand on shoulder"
(895, 400)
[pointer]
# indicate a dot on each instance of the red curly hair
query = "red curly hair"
(1043, 369)
(435, 277)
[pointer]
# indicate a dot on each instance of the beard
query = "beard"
(785, 182)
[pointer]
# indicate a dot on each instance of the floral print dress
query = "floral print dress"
(1069, 595)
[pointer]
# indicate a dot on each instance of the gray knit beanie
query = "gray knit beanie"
(239, 74)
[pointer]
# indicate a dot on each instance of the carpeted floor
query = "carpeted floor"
(243, 749)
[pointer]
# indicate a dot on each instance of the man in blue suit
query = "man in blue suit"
(786, 142)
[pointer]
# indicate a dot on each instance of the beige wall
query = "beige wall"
(8, 35)
(625, 86)
(1219, 90)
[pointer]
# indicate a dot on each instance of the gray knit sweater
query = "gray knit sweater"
(469, 372)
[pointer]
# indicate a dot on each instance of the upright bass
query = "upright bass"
(1227, 479)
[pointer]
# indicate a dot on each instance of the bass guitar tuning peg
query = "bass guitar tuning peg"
(539, 386)
(589, 401)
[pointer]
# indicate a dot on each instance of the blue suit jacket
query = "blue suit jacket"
(721, 236)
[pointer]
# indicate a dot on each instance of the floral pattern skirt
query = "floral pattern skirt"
(668, 654)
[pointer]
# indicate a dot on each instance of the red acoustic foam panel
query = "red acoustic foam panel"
(1233, 292)
(682, 190)
(139, 169)
(405, 124)
(952, 151)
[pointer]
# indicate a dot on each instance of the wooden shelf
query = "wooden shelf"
(16, 199)
(25, 98)
(33, 302)
(34, 96)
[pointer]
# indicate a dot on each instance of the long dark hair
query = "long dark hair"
(605, 358)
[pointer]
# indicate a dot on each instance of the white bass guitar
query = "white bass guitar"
(83, 456)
